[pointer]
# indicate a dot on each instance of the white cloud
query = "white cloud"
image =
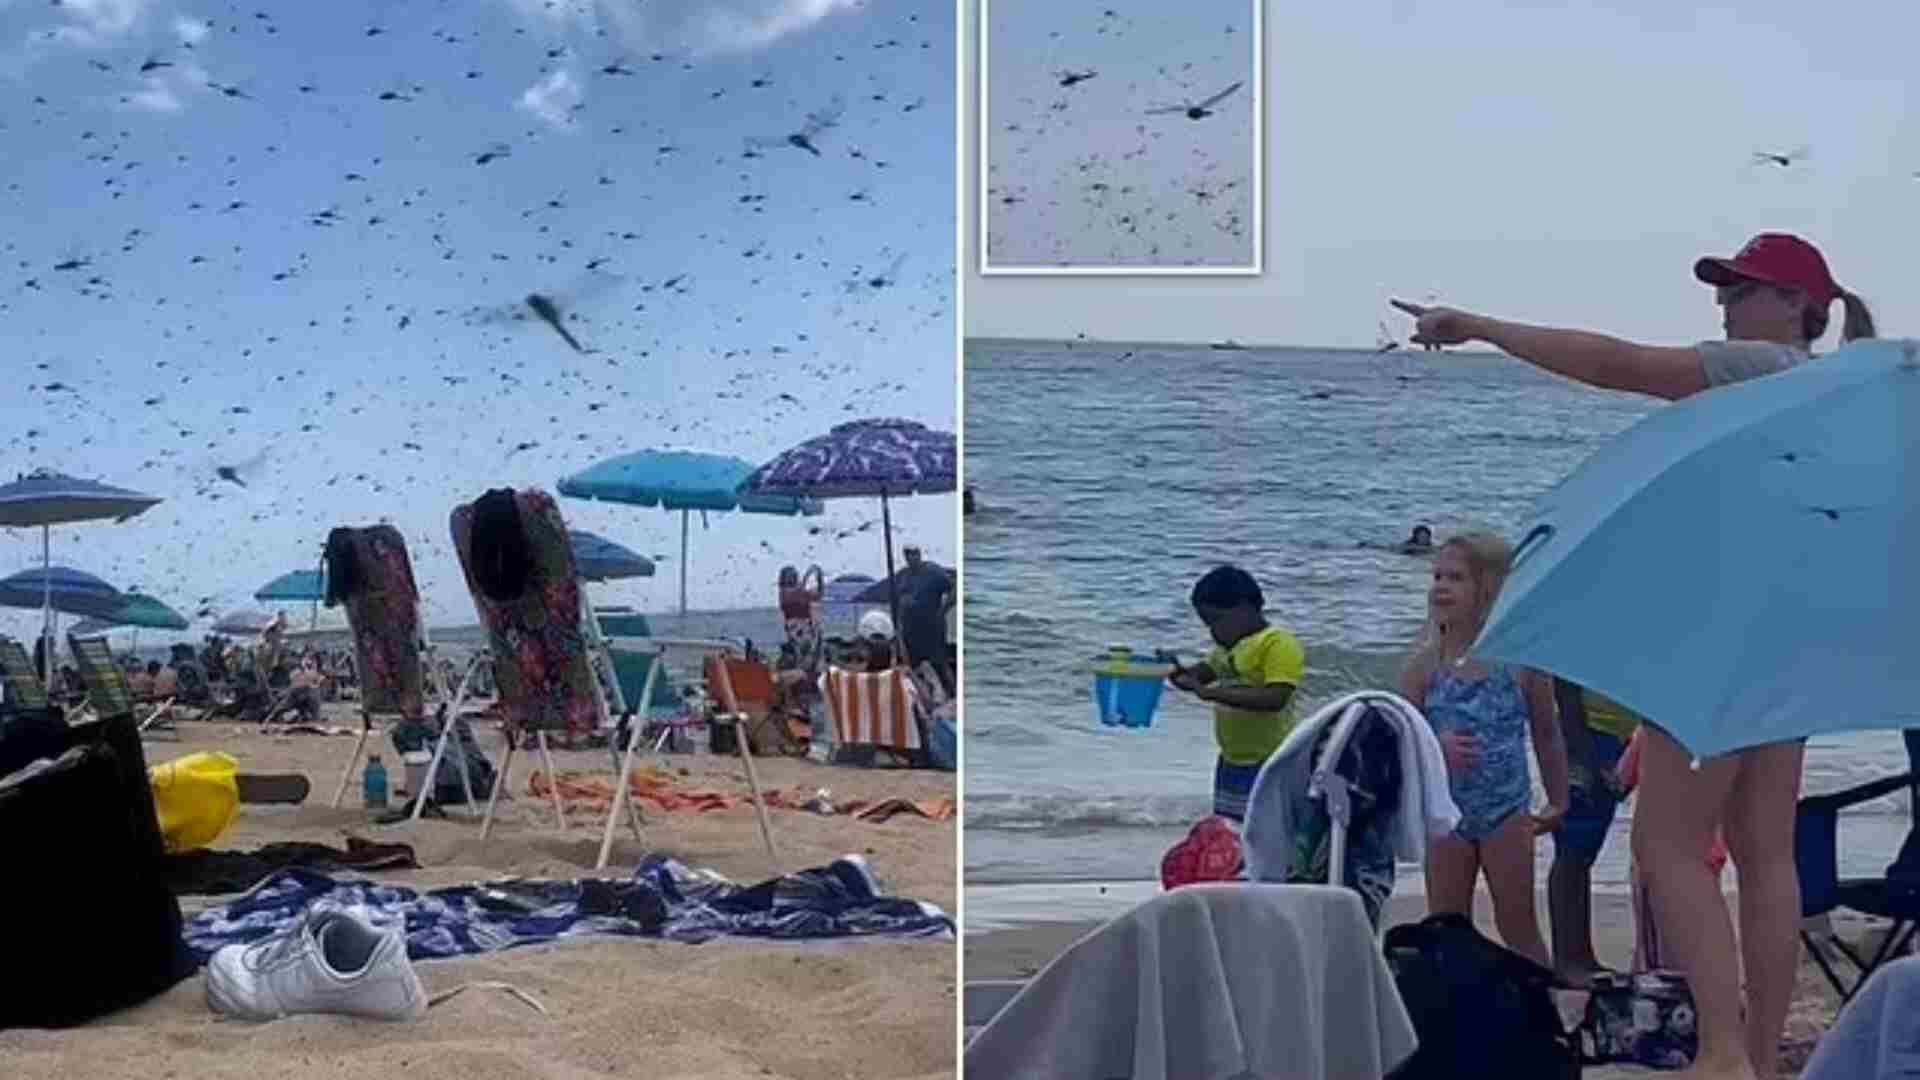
(701, 27)
(190, 31)
(554, 98)
(156, 96)
(97, 22)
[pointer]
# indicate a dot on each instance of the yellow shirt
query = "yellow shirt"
(1264, 658)
(1608, 715)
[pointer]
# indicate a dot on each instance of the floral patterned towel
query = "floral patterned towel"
(540, 656)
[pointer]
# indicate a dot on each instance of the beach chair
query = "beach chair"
(1223, 979)
(520, 571)
(1893, 897)
(25, 692)
(721, 692)
(370, 574)
(874, 711)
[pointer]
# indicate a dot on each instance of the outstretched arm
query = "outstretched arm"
(1598, 360)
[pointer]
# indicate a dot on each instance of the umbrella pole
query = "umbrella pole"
(683, 570)
(893, 587)
(46, 612)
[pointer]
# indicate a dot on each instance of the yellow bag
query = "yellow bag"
(197, 798)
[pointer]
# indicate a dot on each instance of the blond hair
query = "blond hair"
(1487, 556)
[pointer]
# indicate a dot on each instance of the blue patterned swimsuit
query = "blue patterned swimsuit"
(1493, 710)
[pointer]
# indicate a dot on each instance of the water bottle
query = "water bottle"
(375, 783)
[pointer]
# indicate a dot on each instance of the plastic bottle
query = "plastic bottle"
(375, 783)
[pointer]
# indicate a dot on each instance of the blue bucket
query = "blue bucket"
(1126, 688)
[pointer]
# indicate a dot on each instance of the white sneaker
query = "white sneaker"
(328, 962)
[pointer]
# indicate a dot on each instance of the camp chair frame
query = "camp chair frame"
(732, 715)
(1816, 855)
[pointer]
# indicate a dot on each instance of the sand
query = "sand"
(1019, 953)
(617, 1006)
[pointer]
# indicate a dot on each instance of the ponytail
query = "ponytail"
(1859, 321)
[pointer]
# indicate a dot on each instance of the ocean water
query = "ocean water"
(1110, 477)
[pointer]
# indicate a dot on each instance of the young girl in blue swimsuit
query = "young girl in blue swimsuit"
(1483, 713)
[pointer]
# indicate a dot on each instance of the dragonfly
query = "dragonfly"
(818, 123)
(555, 308)
(1199, 110)
(861, 281)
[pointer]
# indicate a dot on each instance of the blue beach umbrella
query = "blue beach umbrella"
(46, 498)
(680, 480)
(596, 558)
(62, 589)
(294, 585)
(1739, 567)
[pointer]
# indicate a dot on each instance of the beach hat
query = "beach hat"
(876, 624)
(1781, 259)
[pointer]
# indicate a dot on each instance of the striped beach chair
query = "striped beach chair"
(873, 709)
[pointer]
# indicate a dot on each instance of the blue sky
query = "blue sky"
(1082, 174)
(294, 243)
(1555, 162)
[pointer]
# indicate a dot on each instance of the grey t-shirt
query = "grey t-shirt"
(1737, 361)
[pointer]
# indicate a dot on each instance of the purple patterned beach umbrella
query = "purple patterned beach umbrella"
(884, 457)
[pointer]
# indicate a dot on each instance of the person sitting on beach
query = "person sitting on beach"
(1420, 543)
(1249, 676)
(1482, 713)
(876, 635)
(140, 682)
(1596, 729)
(166, 680)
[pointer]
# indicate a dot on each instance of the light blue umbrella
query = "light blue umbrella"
(308, 586)
(46, 498)
(1742, 566)
(680, 480)
(294, 585)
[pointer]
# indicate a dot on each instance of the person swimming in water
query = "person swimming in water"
(1420, 543)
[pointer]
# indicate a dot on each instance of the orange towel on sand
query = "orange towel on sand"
(595, 791)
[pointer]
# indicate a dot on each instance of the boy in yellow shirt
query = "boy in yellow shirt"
(1249, 676)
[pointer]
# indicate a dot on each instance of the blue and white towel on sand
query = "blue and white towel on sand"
(663, 899)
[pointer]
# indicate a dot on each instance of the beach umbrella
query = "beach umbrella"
(244, 622)
(295, 586)
(682, 480)
(598, 559)
(1738, 567)
(864, 458)
(136, 610)
(46, 498)
(62, 589)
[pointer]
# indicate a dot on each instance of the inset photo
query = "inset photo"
(1121, 138)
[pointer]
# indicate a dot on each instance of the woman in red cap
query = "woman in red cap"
(1776, 295)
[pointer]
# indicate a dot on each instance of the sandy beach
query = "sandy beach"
(617, 1006)
(1020, 952)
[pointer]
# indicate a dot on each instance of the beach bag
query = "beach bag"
(1645, 1018)
(1209, 852)
(96, 928)
(196, 797)
(1478, 1009)
(943, 742)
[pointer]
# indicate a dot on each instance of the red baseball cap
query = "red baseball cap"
(1781, 259)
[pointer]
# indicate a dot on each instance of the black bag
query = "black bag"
(1478, 1009)
(94, 923)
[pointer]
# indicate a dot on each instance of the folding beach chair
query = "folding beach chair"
(729, 713)
(520, 571)
(1894, 896)
(873, 710)
(370, 574)
(25, 692)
